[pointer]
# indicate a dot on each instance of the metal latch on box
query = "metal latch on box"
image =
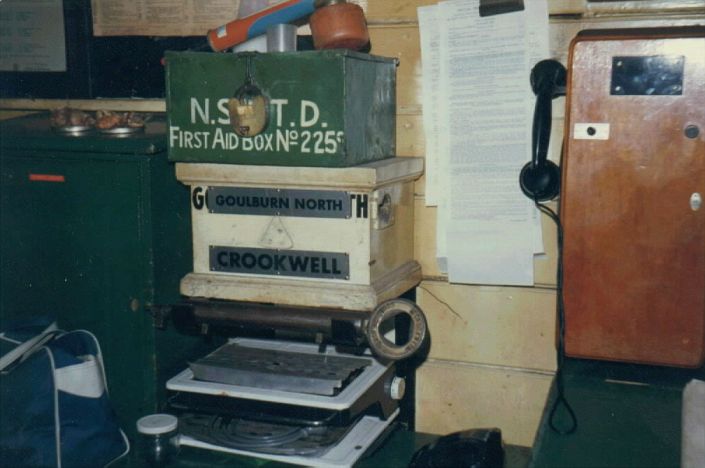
(383, 207)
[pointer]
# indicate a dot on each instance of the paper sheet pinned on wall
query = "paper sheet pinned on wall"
(430, 33)
(32, 36)
(480, 136)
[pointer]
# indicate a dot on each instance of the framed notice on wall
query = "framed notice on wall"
(32, 37)
(172, 17)
(160, 17)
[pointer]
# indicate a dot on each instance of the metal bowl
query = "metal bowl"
(73, 129)
(121, 130)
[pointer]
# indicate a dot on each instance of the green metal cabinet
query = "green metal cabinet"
(330, 108)
(94, 230)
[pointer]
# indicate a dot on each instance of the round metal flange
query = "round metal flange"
(382, 346)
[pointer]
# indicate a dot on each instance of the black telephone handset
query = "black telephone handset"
(540, 179)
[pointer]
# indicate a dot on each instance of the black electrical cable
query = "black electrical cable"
(228, 432)
(560, 391)
(273, 439)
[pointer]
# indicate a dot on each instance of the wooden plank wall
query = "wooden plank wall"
(492, 356)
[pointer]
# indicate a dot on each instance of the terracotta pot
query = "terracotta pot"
(339, 26)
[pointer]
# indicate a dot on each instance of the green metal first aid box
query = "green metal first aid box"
(332, 108)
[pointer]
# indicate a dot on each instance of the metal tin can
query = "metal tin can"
(337, 24)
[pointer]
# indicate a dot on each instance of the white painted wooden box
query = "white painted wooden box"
(314, 237)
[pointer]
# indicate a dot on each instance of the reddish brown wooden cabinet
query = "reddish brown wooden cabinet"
(633, 181)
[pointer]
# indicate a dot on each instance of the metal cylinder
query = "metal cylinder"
(335, 325)
(325, 3)
(281, 38)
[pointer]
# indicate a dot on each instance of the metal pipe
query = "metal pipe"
(325, 321)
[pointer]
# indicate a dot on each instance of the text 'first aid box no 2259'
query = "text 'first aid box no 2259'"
(332, 108)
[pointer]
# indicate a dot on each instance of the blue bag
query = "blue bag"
(54, 406)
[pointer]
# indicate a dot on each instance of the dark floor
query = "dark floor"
(628, 416)
(394, 451)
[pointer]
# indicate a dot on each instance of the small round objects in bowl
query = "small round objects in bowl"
(71, 121)
(120, 123)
